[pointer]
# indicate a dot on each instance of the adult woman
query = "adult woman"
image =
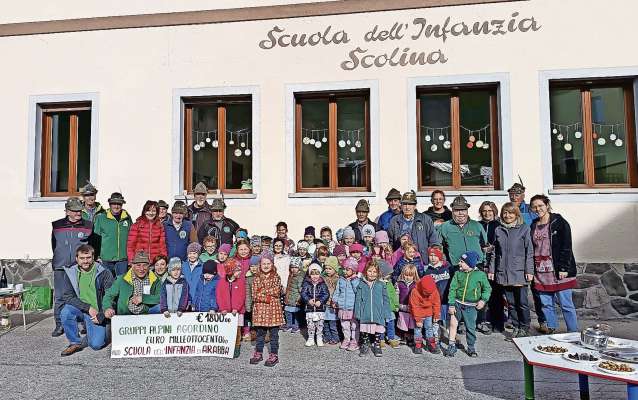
(147, 233)
(438, 211)
(488, 213)
(512, 265)
(554, 263)
(160, 267)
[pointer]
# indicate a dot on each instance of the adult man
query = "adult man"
(282, 233)
(418, 225)
(462, 234)
(219, 226)
(362, 209)
(111, 233)
(91, 207)
(84, 286)
(199, 211)
(136, 292)
(67, 235)
(517, 196)
(394, 208)
(163, 214)
(179, 232)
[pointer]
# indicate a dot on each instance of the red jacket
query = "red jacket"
(148, 236)
(232, 295)
(425, 300)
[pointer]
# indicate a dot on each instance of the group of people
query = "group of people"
(408, 277)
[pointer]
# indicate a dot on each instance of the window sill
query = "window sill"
(227, 196)
(329, 195)
(594, 191)
(593, 195)
(467, 193)
(51, 199)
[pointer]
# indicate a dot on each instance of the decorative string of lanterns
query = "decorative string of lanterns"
(202, 138)
(345, 138)
(476, 138)
(600, 133)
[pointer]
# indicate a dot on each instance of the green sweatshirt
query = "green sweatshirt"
(459, 240)
(393, 296)
(113, 235)
(469, 287)
(122, 290)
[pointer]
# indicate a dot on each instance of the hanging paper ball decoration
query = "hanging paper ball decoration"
(357, 143)
(207, 140)
(312, 141)
(342, 143)
(447, 144)
(348, 142)
(554, 131)
(353, 149)
(612, 137)
(196, 147)
(486, 146)
(479, 144)
(247, 152)
(306, 140)
(469, 145)
(237, 153)
(441, 137)
(242, 144)
(618, 142)
(324, 139)
(601, 141)
(318, 144)
(427, 138)
(472, 138)
(568, 146)
(202, 144)
(231, 142)
(215, 143)
(595, 135)
(560, 136)
(578, 134)
(434, 147)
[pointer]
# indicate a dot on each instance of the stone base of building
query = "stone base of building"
(604, 291)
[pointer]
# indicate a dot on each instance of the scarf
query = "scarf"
(138, 290)
(508, 226)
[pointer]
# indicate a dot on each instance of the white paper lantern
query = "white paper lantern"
(560, 136)
(306, 140)
(601, 141)
(441, 137)
(434, 147)
(237, 153)
(486, 146)
(196, 147)
(318, 144)
(207, 140)
(554, 131)
(447, 145)
(578, 134)
(231, 142)
(618, 142)
(202, 144)
(215, 143)
(568, 146)
(324, 139)
(312, 141)
(427, 138)
(357, 143)
(353, 149)
(612, 137)
(479, 144)
(242, 144)
(342, 143)
(348, 142)
(247, 152)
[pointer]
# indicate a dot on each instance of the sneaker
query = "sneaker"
(432, 346)
(511, 337)
(522, 333)
(461, 329)
(285, 328)
(310, 342)
(484, 328)
(394, 343)
(319, 341)
(376, 350)
(72, 349)
(382, 344)
(272, 360)
(472, 352)
(256, 358)
(417, 350)
(344, 345)
(363, 350)
(353, 346)
(58, 331)
(294, 330)
(450, 351)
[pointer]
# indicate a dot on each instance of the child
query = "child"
(231, 296)
(210, 247)
(250, 276)
(372, 309)
(469, 291)
(348, 236)
(440, 271)
(243, 255)
(367, 234)
(222, 255)
(410, 256)
(425, 307)
(309, 237)
(205, 298)
(386, 277)
(266, 242)
(381, 239)
(356, 252)
(292, 299)
(405, 284)
(339, 236)
(174, 294)
(302, 251)
(255, 245)
(331, 277)
(326, 237)
(322, 255)
(341, 252)
(267, 312)
(281, 259)
(315, 294)
(192, 268)
(343, 298)
(403, 239)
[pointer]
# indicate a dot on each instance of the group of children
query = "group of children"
(357, 296)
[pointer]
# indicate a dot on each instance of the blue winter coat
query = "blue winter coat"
(371, 304)
(418, 263)
(205, 297)
(345, 292)
(526, 212)
(385, 218)
(192, 277)
(312, 291)
(177, 240)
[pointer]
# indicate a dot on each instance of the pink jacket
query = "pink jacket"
(231, 295)
(362, 263)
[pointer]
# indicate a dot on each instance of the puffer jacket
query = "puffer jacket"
(293, 289)
(174, 296)
(345, 292)
(205, 297)
(315, 291)
(425, 300)
(250, 277)
(393, 296)
(513, 255)
(371, 305)
(266, 292)
(232, 295)
(148, 236)
(177, 240)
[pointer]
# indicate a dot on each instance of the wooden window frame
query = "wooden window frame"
(585, 86)
(455, 118)
(220, 102)
(45, 159)
(333, 169)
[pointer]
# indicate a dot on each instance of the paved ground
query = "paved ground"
(31, 368)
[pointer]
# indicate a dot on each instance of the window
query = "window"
(66, 148)
(592, 134)
(458, 144)
(218, 143)
(332, 141)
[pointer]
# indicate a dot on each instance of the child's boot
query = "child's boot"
(353, 345)
(451, 350)
(365, 344)
(310, 341)
(471, 351)
(256, 358)
(433, 347)
(376, 347)
(246, 333)
(418, 346)
(272, 360)
(394, 343)
(319, 340)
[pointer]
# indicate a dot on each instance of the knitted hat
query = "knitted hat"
(200, 188)
(241, 234)
(74, 204)
(339, 234)
(367, 230)
(302, 244)
(295, 262)
(194, 248)
(314, 267)
(362, 205)
(117, 198)
(471, 258)
(348, 232)
(459, 203)
(356, 247)
(141, 257)
(160, 204)
(351, 263)
(267, 255)
(224, 248)
(381, 237)
(332, 262)
(231, 265)
(339, 249)
(406, 233)
(393, 194)
(436, 251)
(255, 240)
(179, 208)
(210, 267)
(254, 260)
(310, 230)
(385, 268)
(174, 263)
(88, 190)
(408, 197)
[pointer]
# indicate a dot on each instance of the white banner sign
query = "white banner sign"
(192, 334)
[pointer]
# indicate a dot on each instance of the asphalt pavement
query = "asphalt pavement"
(31, 368)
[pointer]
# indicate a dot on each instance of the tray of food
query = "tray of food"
(551, 350)
(582, 357)
(615, 343)
(622, 356)
(616, 368)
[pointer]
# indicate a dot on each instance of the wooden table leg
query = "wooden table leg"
(583, 384)
(632, 391)
(529, 380)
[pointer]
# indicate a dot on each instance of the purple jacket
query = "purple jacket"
(404, 290)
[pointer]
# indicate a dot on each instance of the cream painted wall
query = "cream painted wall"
(135, 72)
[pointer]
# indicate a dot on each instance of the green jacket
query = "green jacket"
(250, 277)
(98, 210)
(393, 296)
(457, 240)
(469, 287)
(118, 295)
(112, 235)
(293, 289)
